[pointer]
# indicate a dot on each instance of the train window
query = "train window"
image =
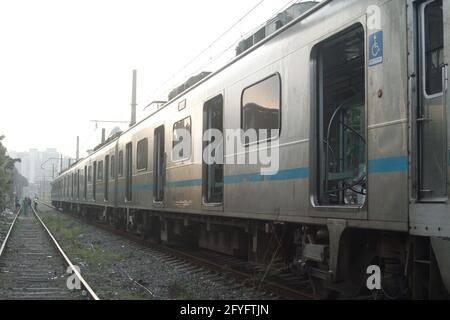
(85, 182)
(260, 107)
(340, 119)
(94, 184)
(434, 47)
(142, 154)
(432, 155)
(181, 150)
(78, 184)
(72, 182)
(120, 170)
(212, 168)
(128, 171)
(100, 170)
(158, 165)
(90, 174)
(113, 166)
(106, 188)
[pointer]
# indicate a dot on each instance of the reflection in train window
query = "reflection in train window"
(90, 174)
(85, 182)
(120, 170)
(159, 170)
(71, 184)
(100, 170)
(434, 47)
(113, 166)
(261, 107)
(129, 171)
(106, 181)
(340, 117)
(181, 130)
(142, 154)
(78, 184)
(212, 167)
(94, 185)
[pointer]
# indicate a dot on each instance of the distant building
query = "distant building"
(39, 178)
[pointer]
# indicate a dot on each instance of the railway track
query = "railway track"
(282, 286)
(33, 265)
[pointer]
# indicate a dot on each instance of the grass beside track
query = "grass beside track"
(95, 256)
(92, 257)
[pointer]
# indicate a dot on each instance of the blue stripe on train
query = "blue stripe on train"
(394, 164)
(290, 174)
(386, 165)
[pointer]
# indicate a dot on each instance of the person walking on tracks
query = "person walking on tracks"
(25, 206)
(35, 203)
(17, 203)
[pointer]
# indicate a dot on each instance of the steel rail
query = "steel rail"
(279, 289)
(61, 251)
(9, 232)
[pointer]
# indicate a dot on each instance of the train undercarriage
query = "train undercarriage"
(406, 264)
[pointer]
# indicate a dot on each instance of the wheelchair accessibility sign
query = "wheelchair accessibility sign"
(376, 48)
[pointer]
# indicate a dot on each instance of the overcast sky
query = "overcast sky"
(63, 63)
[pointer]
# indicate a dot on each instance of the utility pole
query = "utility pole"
(60, 164)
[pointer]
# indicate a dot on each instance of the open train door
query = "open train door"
(432, 111)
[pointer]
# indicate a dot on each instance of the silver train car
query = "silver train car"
(356, 92)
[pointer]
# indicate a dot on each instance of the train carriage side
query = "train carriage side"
(336, 96)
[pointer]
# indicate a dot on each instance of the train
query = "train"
(354, 95)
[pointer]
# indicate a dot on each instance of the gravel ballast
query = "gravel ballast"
(117, 268)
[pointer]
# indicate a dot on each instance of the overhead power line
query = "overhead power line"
(210, 45)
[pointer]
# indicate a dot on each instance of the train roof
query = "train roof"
(301, 17)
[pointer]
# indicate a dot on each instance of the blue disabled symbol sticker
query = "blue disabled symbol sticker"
(376, 48)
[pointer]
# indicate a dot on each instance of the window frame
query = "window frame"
(94, 180)
(206, 186)
(120, 165)
(128, 172)
(78, 184)
(275, 74)
(112, 164)
(159, 178)
(100, 169)
(85, 182)
(423, 54)
(190, 141)
(89, 174)
(146, 155)
(341, 211)
(182, 105)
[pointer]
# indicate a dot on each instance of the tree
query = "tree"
(8, 174)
